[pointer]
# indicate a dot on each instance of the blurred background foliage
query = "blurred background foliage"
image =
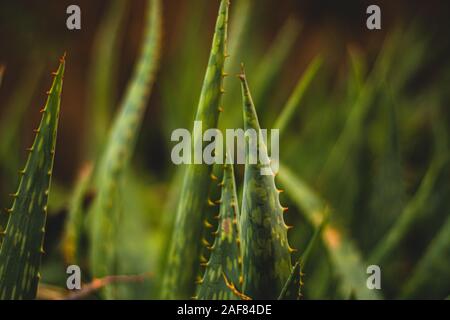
(370, 135)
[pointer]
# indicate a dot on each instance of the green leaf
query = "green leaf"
(317, 234)
(101, 97)
(312, 206)
(340, 171)
(180, 107)
(106, 214)
(141, 237)
(11, 124)
(297, 95)
(272, 62)
(239, 29)
(348, 264)
(358, 71)
(413, 212)
(431, 279)
(185, 247)
(74, 229)
(387, 195)
(266, 255)
(103, 75)
(240, 36)
(22, 247)
(225, 252)
(292, 287)
(346, 258)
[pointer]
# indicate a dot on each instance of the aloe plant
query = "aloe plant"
(22, 246)
(292, 289)
(266, 255)
(106, 211)
(261, 269)
(224, 265)
(11, 125)
(101, 97)
(184, 252)
(357, 176)
(75, 228)
(103, 73)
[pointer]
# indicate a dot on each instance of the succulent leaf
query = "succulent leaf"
(22, 246)
(291, 289)
(102, 76)
(101, 98)
(185, 247)
(12, 121)
(266, 255)
(108, 177)
(225, 252)
(11, 125)
(240, 35)
(75, 229)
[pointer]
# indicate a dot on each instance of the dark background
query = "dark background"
(35, 32)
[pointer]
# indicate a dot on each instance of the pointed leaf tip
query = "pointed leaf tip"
(22, 246)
